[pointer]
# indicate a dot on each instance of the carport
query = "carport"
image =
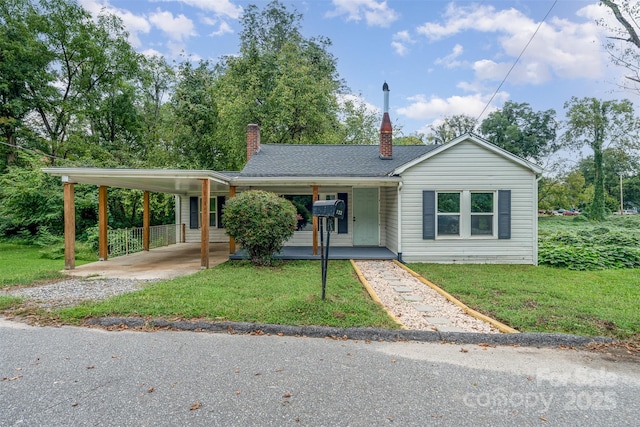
(172, 181)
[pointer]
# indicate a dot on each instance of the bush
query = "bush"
(575, 246)
(260, 222)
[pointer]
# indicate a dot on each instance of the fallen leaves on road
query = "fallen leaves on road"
(195, 406)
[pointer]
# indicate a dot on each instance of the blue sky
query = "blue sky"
(440, 58)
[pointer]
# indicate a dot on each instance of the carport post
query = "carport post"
(145, 221)
(315, 223)
(204, 220)
(103, 244)
(232, 241)
(69, 225)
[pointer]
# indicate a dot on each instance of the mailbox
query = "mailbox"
(329, 208)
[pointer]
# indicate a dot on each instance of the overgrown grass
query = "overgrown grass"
(578, 244)
(288, 294)
(546, 299)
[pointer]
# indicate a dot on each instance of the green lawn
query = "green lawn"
(289, 294)
(528, 298)
(23, 265)
(546, 299)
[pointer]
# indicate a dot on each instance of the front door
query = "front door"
(365, 217)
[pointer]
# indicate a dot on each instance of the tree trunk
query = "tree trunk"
(597, 211)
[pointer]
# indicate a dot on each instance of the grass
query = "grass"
(237, 291)
(528, 298)
(22, 265)
(546, 299)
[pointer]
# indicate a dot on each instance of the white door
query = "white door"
(365, 217)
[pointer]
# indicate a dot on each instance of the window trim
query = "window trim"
(458, 214)
(213, 213)
(465, 215)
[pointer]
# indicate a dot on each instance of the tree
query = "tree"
(88, 59)
(358, 124)
(451, 128)
(521, 131)
(598, 124)
(195, 111)
(624, 43)
(260, 222)
(23, 60)
(157, 80)
(615, 161)
(282, 81)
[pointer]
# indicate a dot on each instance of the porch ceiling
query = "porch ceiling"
(171, 181)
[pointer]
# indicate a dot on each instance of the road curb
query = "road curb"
(370, 334)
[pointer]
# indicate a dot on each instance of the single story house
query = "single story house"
(467, 201)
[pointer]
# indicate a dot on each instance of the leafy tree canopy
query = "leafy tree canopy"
(522, 131)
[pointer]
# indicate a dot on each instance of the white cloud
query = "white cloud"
(561, 48)
(400, 41)
(375, 13)
(219, 7)
(434, 108)
(177, 28)
(223, 29)
(450, 61)
(134, 24)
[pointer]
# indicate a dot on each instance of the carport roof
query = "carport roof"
(174, 181)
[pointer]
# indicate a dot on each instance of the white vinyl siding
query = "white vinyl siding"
(192, 235)
(389, 218)
(473, 168)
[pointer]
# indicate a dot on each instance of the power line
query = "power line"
(39, 153)
(516, 61)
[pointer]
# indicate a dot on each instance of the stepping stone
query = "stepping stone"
(401, 289)
(439, 321)
(411, 298)
(424, 308)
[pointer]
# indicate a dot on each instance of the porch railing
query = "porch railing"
(126, 241)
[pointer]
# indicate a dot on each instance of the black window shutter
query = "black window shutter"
(221, 201)
(504, 214)
(193, 212)
(343, 224)
(428, 214)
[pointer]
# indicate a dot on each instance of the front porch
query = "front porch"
(338, 252)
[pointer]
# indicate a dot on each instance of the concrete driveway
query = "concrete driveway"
(166, 262)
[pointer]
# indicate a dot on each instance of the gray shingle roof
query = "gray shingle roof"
(328, 160)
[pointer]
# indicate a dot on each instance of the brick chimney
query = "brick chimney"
(386, 137)
(253, 140)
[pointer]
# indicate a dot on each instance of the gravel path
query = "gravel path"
(73, 291)
(415, 304)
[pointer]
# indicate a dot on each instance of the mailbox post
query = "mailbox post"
(327, 210)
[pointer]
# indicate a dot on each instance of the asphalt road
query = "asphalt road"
(72, 376)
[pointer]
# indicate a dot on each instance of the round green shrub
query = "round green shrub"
(260, 222)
